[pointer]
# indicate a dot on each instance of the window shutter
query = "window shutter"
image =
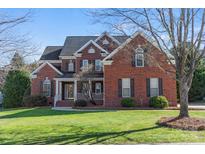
(93, 86)
(52, 88)
(73, 66)
(160, 86)
(132, 86)
(120, 87)
(41, 87)
(148, 87)
(63, 91)
(81, 63)
(133, 60)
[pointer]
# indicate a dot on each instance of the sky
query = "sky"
(51, 26)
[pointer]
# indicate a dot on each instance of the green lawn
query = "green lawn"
(45, 126)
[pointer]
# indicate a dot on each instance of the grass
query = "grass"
(46, 126)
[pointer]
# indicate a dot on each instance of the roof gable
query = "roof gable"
(108, 35)
(43, 65)
(88, 43)
(128, 41)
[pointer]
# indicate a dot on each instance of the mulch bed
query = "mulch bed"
(192, 124)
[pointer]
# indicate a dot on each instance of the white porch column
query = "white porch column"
(56, 94)
(60, 90)
(75, 90)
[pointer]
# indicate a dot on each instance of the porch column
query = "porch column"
(56, 94)
(60, 90)
(75, 90)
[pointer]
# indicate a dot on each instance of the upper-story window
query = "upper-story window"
(98, 65)
(85, 64)
(70, 66)
(91, 50)
(139, 57)
(105, 42)
(47, 87)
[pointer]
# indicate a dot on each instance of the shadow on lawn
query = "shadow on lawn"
(37, 112)
(79, 138)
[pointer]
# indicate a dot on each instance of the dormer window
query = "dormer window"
(105, 42)
(70, 66)
(139, 57)
(91, 50)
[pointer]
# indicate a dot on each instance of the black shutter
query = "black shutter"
(93, 86)
(73, 66)
(81, 64)
(102, 87)
(41, 87)
(133, 60)
(52, 88)
(120, 87)
(63, 91)
(160, 86)
(148, 87)
(132, 87)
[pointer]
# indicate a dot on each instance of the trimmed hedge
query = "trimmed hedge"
(127, 102)
(159, 102)
(35, 100)
(80, 103)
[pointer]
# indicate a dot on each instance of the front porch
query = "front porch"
(67, 90)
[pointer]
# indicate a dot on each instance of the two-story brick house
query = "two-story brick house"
(123, 67)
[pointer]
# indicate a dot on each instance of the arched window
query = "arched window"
(105, 42)
(47, 87)
(91, 50)
(139, 57)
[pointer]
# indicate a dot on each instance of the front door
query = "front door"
(69, 91)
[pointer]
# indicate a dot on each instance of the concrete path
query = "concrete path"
(71, 109)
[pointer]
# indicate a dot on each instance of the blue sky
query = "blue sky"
(51, 26)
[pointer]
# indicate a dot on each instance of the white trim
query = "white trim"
(67, 57)
(108, 62)
(128, 41)
(50, 61)
(88, 43)
(73, 79)
(44, 64)
(106, 33)
(33, 76)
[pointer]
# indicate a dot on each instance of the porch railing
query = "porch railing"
(95, 96)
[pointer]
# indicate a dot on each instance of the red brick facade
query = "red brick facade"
(122, 68)
(156, 66)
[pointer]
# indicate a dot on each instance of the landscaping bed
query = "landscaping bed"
(193, 124)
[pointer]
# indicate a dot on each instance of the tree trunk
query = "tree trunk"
(183, 91)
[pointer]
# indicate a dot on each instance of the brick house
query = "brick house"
(124, 66)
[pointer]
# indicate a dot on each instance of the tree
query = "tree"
(84, 77)
(17, 62)
(171, 30)
(14, 88)
(197, 90)
(10, 41)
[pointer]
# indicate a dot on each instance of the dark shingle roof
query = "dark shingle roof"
(51, 53)
(73, 43)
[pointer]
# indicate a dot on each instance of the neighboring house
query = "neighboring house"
(124, 67)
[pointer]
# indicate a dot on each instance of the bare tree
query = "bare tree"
(10, 41)
(179, 32)
(84, 77)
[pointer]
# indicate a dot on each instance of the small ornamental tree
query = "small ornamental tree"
(15, 86)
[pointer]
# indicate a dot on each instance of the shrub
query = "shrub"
(81, 103)
(127, 102)
(158, 102)
(35, 100)
(14, 88)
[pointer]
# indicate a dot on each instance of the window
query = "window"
(126, 87)
(85, 87)
(98, 88)
(85, 64)
(47, 87)
(139, 57)
(70, 66)
(98, 65)
(154, 87)
(105, 42)
(91, 50)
